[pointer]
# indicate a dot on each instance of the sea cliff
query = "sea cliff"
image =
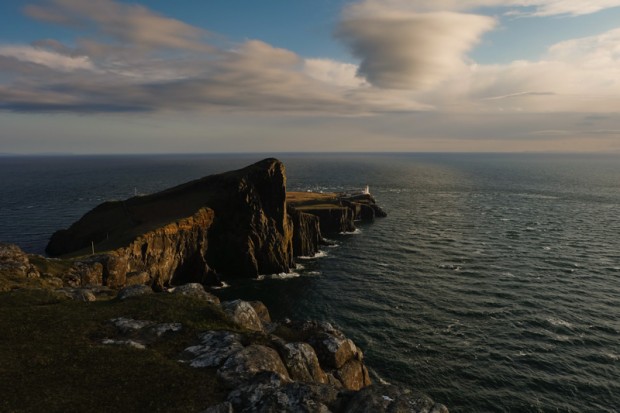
(236, 224)
(140, 265)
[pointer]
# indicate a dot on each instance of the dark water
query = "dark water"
(493, 285)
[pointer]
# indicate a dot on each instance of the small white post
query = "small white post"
(92, 246)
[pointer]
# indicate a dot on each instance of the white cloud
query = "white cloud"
(520, 7)
(411, 50)
(122, 22)
(333, 72)
(46, 58)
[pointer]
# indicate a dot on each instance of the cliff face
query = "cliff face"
(252, 233)
(306, 233)
(234, 224)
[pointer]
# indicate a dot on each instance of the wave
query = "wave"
(219, 287)
(357, 231)
(320, 254)
(280, 276)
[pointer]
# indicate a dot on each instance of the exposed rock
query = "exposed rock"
(134, 291)
(240, 215)
(84, 295)
(251, 360)
(261, 310)
(197, 291)
(267, 393)
(126, 325)
(333, 219)
(302, 363)
(130, 343)
(306, 233)
(354, 375)
(242, 313)
(392, 399)
(214, 348)
(334, 352)
(87, 273)
(137, 278)
(159, 330)
(14, 261)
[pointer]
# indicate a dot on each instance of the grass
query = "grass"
(51, 358)
(301, 200)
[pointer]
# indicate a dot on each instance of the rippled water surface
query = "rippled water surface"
(493, 285)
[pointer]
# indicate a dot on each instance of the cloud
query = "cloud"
(49, 59)
(410, 50)
(122, 22)
(532, 8)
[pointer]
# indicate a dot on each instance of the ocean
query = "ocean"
(493, 285)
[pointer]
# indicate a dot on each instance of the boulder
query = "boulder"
(333, 351)
(301, 362)
(268, 393)
(353, 375)
(197, 291)
(261, 310)
(137, 278)
(214, 348)
(15, 262)
(87, 272)
(134, 291)
(392, 399)
(243, 365)
(84, 295)
(242, 313)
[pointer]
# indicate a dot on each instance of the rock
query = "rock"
(353, 375)
(15, 262)
(306, 233)
(214, 348)
(233, 223)
(84, 295)
(392, 399)
(159, 330)
(134, 291)
(267, 393)
(87, 273)
(242, 313)
(127, 325)
(334, 219)
(137, 278)
(243, 365)
(261, 310)
(334, 352)
(225, 407)
(197, 291)
(130, 343)
(302, 363)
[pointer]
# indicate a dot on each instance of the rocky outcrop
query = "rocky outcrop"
(333, 219)
(306, 233)
(234, 224)
(15, 262)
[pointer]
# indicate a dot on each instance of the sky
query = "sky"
(195, 76)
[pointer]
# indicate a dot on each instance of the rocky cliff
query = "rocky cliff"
(236, 224)
(231, 224)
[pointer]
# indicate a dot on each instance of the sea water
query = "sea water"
(493, 284)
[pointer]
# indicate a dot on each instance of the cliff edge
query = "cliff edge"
(235, 224)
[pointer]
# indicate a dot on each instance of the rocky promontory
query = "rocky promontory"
(236, 224)
(139, 268)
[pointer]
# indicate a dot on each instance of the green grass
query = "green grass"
(51, 358)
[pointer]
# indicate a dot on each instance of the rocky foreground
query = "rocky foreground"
(144, 293)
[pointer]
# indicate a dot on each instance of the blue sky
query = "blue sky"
(108, 76)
